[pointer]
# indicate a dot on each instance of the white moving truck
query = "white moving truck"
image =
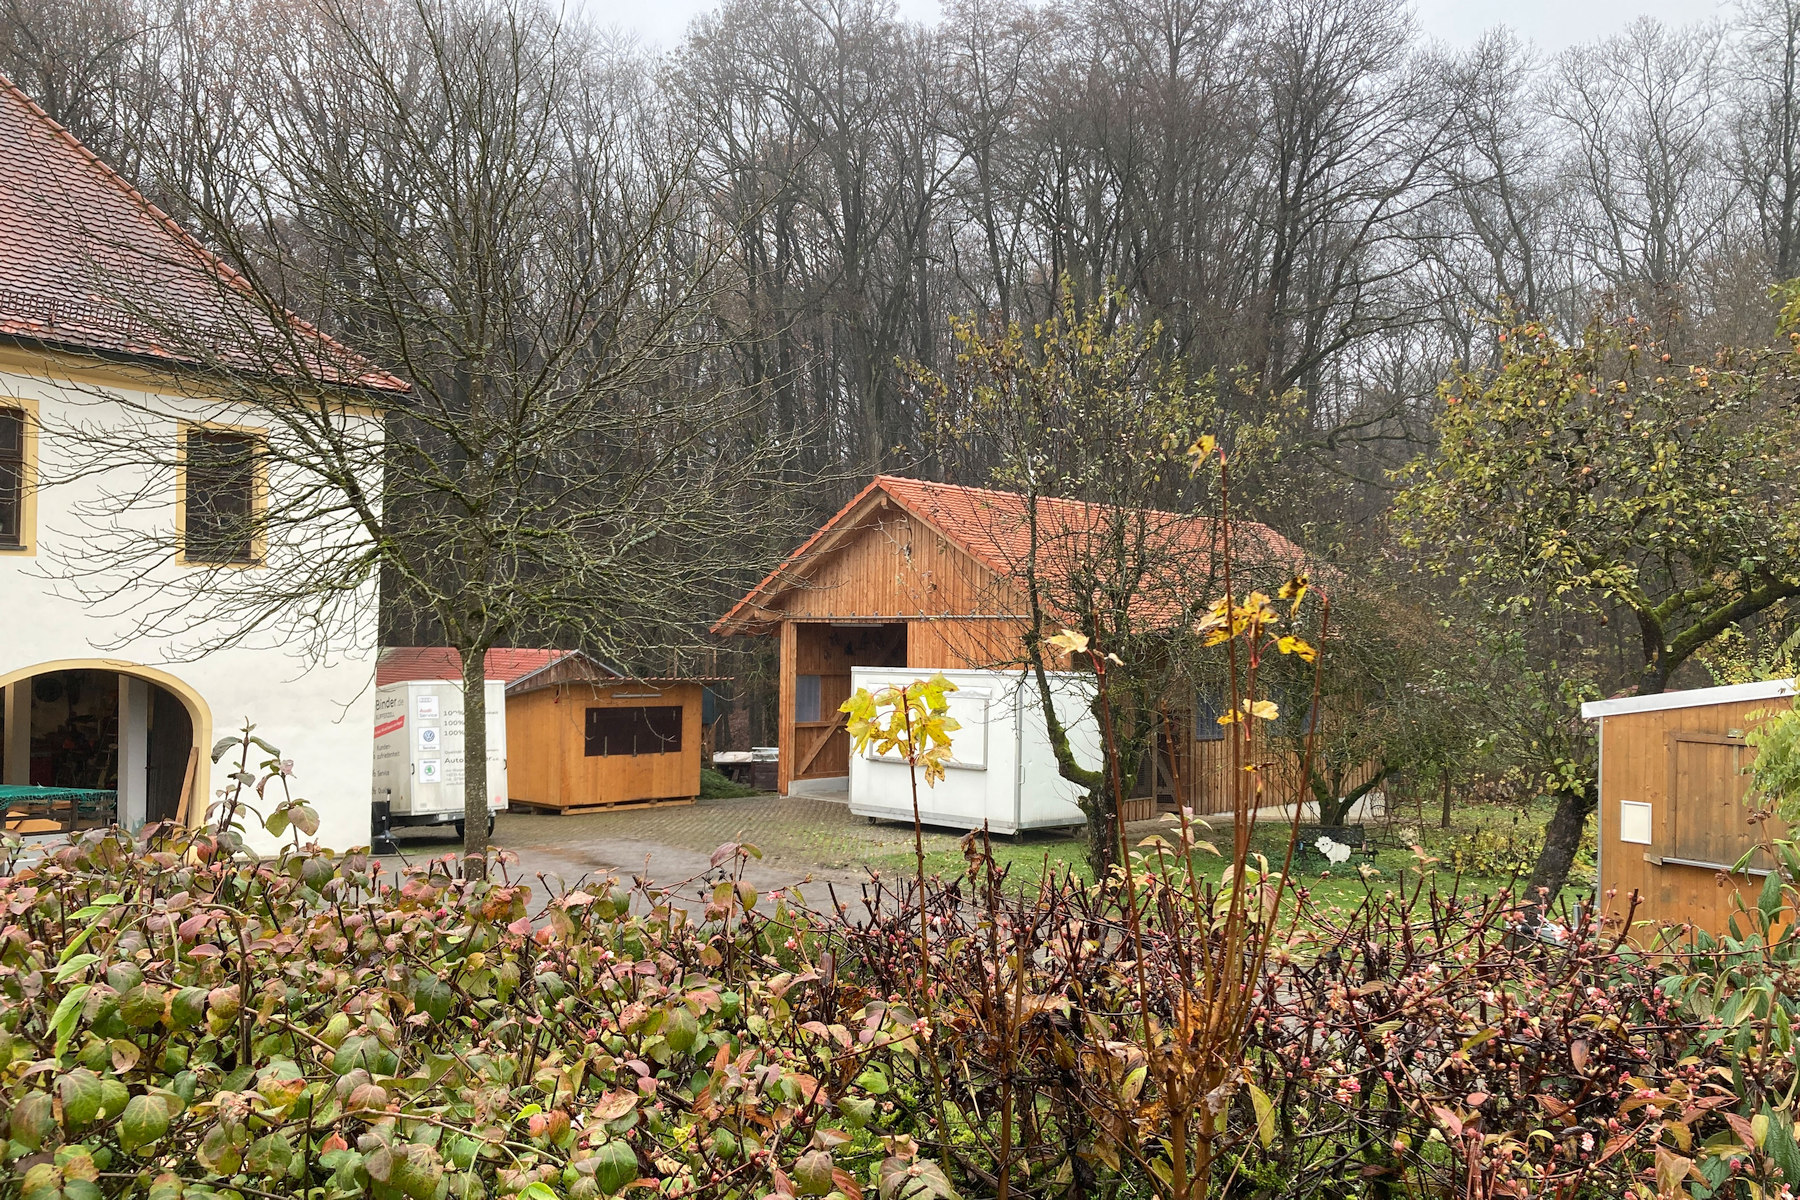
(419, 755)
(1002, 772)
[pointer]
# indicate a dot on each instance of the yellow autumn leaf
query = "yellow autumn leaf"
(1289, 644)
(1215, 626)
(1266, 1127)
(1295, 590)
(1069, 641)
(1263, 710)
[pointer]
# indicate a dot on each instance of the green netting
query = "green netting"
(18, 793)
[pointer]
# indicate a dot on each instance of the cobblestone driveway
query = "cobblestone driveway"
(800, 838)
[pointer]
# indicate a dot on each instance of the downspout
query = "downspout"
(1600, 815)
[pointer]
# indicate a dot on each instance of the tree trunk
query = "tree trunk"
(1335, 809)
(1562, 838)
(1102, 835)
(1102, 830)
(474, 763)
(1444, 823)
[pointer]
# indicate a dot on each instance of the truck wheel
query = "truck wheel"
(462, 828)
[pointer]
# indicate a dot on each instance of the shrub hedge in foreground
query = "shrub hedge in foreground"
(181, 1019)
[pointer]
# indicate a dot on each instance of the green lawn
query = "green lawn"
(1487, 847)
(1029, 858)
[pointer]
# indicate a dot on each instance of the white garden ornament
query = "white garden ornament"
(1334, 852)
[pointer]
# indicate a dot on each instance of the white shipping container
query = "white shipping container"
(1002, 773)
(419, 750)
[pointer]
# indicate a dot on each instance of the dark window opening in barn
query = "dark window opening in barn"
(1209, 706)
(651, 729)
(807, 692)
(12, 478)
(1298, 711)
(219, 495)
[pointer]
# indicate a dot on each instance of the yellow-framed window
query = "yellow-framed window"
(222, 495)
(18, 476)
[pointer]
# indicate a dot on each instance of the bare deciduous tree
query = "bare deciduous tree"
(1767, 126)
(477, 197)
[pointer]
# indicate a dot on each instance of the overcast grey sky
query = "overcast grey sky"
(1552, 24)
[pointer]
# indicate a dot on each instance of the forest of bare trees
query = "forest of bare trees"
(1304, 192)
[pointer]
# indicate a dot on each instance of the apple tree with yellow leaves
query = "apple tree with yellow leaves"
(1606, 482)
(1092, 406)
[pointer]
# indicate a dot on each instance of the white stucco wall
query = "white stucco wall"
(314, 702)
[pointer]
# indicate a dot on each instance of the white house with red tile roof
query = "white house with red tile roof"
(99, 697)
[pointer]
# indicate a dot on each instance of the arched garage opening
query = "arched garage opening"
(85, 742)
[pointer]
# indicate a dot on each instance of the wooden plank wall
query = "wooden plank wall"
(1636, 764)
(895, 566)
(947, 643)
(1209, 774)
(784, 704)
(829, 651)
(547, 762)
(892, 568)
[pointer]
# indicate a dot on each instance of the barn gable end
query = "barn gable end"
(892, 565)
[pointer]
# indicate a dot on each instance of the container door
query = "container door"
(437, 747)
(392, 780)
(496, 744)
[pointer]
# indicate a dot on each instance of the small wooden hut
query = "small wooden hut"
(583, 737)
(1672, 824)
(926, 576)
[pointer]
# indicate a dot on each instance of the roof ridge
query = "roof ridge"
(988, 491)
(446, 661)
(800, 551)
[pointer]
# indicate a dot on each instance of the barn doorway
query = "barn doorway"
(87, 746)
(824, 653)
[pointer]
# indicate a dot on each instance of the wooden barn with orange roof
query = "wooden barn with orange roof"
(927, 576)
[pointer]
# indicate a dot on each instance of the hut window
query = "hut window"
(12, 478)
(1210, 705)
(1292, 701)
(638, 730)
(1707, 823)
(806, 698)
(1208, 708)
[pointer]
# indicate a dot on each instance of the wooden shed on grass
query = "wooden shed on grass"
(1672, 823)
(582, 737)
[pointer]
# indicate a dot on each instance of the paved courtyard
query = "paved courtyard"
(801, 838)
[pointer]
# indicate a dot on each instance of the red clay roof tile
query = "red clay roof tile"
(991, 527)
(86, 262)
(404, 664)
